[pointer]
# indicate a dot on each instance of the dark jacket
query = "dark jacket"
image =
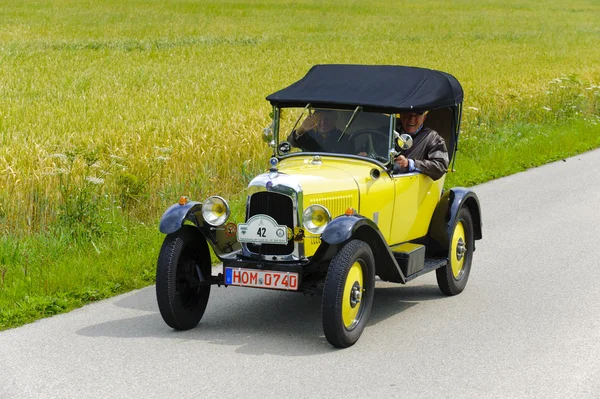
(429, 153)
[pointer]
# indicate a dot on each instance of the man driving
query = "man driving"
(428, 154)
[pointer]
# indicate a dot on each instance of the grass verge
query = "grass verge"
(50, 273)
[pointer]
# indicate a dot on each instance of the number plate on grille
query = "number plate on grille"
(261, 278)
(262, 229)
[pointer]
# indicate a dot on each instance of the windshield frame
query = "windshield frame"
(384, 160)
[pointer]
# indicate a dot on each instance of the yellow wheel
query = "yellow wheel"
(348, 294)
(352, 295)
(458, 250)
(452, 278)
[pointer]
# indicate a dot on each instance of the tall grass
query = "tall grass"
(110, 110)
(169, 96)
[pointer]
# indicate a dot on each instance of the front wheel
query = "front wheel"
(348, 294)
(183, 265)
(452, 278)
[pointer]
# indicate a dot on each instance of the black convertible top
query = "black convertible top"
(384, 88)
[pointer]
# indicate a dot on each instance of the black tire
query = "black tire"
(343, 318)
(453, 278)
(181, 299)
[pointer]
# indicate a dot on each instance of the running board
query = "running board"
(431, 264)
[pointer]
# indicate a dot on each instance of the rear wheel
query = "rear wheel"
(452, 278)
(348, 294)
(183, 264)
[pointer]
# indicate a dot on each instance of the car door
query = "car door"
(415, 198)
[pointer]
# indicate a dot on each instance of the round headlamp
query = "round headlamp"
(316, 218)
(215, 211)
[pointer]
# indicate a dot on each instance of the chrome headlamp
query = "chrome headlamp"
(315, 218)
(215, 211)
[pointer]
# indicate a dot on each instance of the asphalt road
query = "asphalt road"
(527, 325)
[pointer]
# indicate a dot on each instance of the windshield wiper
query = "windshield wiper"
(356, 111)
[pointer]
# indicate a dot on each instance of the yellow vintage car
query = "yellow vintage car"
(334, 210)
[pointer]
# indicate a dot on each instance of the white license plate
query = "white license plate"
(262, 229)
(261, 278)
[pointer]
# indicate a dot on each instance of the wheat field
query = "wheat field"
(119, 107)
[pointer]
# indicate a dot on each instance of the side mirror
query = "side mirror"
(404, 141)
(268, 135)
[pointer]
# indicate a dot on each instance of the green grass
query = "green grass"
(518, 147)
(110, 110)
(47, 274)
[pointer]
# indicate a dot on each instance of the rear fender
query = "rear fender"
(345, 228)
(446, 212)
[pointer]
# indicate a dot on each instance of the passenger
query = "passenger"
(318, 133)
(428, 154)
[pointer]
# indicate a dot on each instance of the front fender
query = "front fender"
(345, 228)
(176, 215)
(446, 212)
(342, 228)
(224, 244)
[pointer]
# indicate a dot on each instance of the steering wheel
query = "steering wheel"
(373, 132)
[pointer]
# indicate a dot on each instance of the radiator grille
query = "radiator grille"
(336, 205)
(281, 208)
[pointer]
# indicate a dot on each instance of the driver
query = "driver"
(428, 154)
(318, 133)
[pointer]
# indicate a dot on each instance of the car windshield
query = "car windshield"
(329, 131)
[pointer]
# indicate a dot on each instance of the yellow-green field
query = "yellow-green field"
(109, 110)
(169, 95)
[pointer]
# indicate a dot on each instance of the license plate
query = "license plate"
(262, 229)
(261, 278)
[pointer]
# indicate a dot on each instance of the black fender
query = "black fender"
(176, 215)
(224, 245)
(444, 216)
(345, 228)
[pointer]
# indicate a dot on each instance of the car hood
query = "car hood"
(319, 177)
(319, 181)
